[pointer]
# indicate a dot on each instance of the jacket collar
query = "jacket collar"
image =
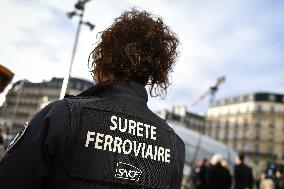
(123, 88)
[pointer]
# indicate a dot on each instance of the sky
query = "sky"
(242, 40)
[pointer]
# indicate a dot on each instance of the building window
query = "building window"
(270, 149)
(271, 136)
(257, 122)
(245, 123)
(272, 109)
(226, 132)
(251, 97)
(256, 148)
(231, 100)
(58, 84)
(247, 109)
(236, 128)
(85, 87)
(245, 128)
(78, 85)
(245, 147)
(217, 128)
(271, 125)
(241, 98)
(234, 144)
(271, 98)
(258, 108)
(257, 135)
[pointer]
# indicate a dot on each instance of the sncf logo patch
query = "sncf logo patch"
(127, 172)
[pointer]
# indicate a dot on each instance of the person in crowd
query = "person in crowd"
(218, 176)
(279, 179)
(187, 179)
(266, 182)
(195, 174)
(203, 172)
(225, 164)
(242, 174)
(1, 136)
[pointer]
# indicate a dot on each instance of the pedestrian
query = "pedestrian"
(218, 176)
(1, 136)
(242, 174)
(266, 182)
(225, 164)
(203, 172)
(279, 179)
(195, 174)
(106, 137)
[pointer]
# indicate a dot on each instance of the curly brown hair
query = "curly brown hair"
(138, 46)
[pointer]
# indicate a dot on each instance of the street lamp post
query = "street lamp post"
(79, 11)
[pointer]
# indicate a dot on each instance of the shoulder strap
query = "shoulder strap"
(75, 109)
(76, 105)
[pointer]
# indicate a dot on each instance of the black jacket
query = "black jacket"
(203, 174)
(219, 177)
(106, 137)
(243, 176)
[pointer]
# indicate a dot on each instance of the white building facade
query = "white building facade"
(252, 124)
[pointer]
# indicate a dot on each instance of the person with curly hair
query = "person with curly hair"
(106, 137)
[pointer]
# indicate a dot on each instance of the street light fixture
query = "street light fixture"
(80, 5)
(71, 14)
(92, 26)
(79, 11)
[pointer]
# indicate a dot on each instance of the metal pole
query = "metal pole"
(67, 76)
